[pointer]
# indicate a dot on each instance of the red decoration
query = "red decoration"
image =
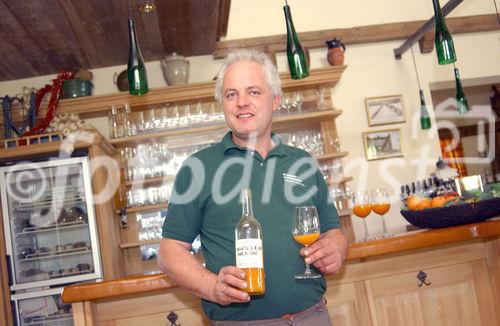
(55, 93)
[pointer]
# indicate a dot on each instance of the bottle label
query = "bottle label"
(249, 253)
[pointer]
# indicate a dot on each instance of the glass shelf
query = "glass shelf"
(53, 228)
(59, 254)
(49, 320)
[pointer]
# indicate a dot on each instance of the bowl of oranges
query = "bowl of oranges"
(448, 210)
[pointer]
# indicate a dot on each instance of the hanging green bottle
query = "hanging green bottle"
(137, 76)
(445, 49)
(425, 120)
(462, 104)
(297, 61)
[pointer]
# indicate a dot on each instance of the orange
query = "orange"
(416, 203)
(424, 204)
(412, 202)
(438, 201)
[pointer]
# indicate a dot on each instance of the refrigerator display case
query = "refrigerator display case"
(49, 223)
(41, 308)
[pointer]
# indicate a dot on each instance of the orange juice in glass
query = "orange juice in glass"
(306, 239)
(362, 208)
(305, 231)
(380, 206)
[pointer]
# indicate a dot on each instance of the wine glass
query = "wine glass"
(362, 208)
(380, 206)
(305, 231)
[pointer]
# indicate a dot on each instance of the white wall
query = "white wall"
(372, 71)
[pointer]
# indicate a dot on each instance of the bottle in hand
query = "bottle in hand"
(249, 251)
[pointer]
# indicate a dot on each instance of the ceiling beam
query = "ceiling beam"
(360, 35)
(420, 33)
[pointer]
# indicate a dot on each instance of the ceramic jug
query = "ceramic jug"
(335, 54)
(175, 69)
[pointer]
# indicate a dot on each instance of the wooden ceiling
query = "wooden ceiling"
(43, 37)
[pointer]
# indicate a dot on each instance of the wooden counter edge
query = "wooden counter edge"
(357, 250)
(425, 239)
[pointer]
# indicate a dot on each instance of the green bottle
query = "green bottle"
(442, 38)
(425, 120)
(137, 76)
(295, 52)
(462, 104)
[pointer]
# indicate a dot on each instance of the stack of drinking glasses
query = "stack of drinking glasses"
(150, 225)
(333, 172)
(178, 116)
(121, 123)
(309, 140)
(149, 196)
(291, 103)
(146, 160)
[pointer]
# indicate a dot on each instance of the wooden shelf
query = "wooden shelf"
(277, 121)
(145, 208)
(330, 156)
(92, 106)
(56, 146)
(136, 244)
(150, 181)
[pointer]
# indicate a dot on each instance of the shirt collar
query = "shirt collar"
(278, 150)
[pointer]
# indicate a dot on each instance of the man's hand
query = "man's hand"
(226, 289)
(176, 261)
(327, 253)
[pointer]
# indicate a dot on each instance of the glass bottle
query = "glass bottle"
(115, 130)
(137, 76)
(462, 103)
(445, 49)
(248, 246)
(425, 120)
(297, 61)
(130, 129)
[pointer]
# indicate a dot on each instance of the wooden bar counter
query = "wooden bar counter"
(434, 277)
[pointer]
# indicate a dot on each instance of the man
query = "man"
(205, 201)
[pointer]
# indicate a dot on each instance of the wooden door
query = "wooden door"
(455, 295)
(348, 305)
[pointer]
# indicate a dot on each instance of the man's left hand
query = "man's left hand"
(327, 253)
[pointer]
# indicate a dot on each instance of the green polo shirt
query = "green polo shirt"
(206, 201)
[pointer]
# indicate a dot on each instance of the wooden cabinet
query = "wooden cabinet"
(389, 292)
(454, 295)
(153, 310)
(316, 114)
(348, 304)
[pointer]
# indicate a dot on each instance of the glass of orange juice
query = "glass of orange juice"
(305, 231)
(380, 206)
(362, 208)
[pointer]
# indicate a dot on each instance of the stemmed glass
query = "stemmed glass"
(380, 206)
(297, 101)
(362, 208)
(305, 231)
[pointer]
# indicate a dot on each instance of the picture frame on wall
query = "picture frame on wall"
(384, 110)
(383, 144)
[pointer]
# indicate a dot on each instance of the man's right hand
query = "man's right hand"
(227, 287)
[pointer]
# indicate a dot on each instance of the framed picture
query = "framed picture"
(382, 144)
(384, 110)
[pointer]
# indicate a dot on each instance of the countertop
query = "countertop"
(356, 251)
